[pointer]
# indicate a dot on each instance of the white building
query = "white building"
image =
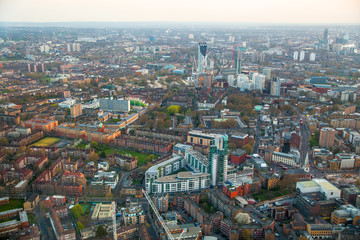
(181, 182)
(163, 169)
(296, 55)
(291, 159)
(345, 96)
(302, 56)
(68, 103)
(107, 178)
(319, 185)
(45, 48)
(115, 105)
(259, 81)
(312, 57)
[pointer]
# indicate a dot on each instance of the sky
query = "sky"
(245, 11)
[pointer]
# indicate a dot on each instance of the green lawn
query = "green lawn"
(142, 158)
(109, 151)
(13, 203)
(48, 141)
(264, 195)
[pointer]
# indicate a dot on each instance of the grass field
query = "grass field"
(267, 195)
(86, 207)
(13, 203)
(48, 141)
(142, 158)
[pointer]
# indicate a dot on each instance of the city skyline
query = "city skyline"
(258, 11)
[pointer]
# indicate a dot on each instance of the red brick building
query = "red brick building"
(238, 157)
(239, 139)
(41, 124)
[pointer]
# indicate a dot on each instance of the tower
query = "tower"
(237, 61)
(202, 50)
(218, 160)
(325, 37)
(275, 86)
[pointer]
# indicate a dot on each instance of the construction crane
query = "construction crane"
(161, 220)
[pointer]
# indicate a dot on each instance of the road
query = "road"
(257, 135)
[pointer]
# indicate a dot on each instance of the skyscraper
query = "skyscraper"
(325, 38)
(259, 81)
(202, 50)
(237, 61)
(275, 86)
(267, 73)
(218, 160)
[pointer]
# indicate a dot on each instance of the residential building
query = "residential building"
(115, 105)
(133, 214)
(108, 178)
(327, 137)
(76, 110)
(44, 125)
(347, 215)
(320, 230)
(103, 212)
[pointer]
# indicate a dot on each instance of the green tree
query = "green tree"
(100, 231)
(94, 144)
(173, 109)
(80, 225)
(75, 212)
(103, 154)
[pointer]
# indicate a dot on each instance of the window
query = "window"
(201, 141)
(191, 139)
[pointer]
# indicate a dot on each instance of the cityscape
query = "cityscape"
(174, 130)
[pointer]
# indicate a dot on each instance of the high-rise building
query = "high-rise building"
(267, 73)
(191, 36)
(76, 110)
(296, 55)
(302, 56)
(327, 137)
(275, 86)
(312, 57)
(76, 47)
(68, 47)
(237, 61)
(259, 81)
(218, 160)
(325, 38)
(115, 105)
(202, 50)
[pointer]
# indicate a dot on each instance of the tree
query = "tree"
(173, 109)
(75, 212)
(4, 141)
(246, 234)
(100, 231)
(248, 148)
(94, 144)
(80, 225)
(103, 154)
(232, 146)
(93, 156)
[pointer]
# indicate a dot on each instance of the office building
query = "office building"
(105, 178)
(267, 73)
(237, 61)
(346, 214)
(325, 37)
(327, 137)
(76, 110)
(259, 81)
(292, 158)
(103, 212)
(259, 164)
(275, 86)
(319, 185)
(115, 105)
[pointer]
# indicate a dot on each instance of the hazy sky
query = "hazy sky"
(249, 11)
